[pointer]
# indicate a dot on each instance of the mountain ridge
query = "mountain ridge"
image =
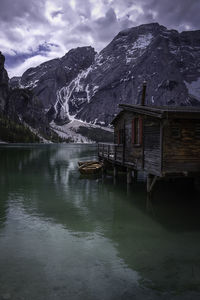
(168, 60)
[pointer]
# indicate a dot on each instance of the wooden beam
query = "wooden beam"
(151, 180)
(115, 171)
(135, 177)
(129, 176)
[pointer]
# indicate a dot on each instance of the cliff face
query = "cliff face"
(20, 106)
(46, 80)
(3, 83)
(169, 61)
(24, 106)
(86, 86)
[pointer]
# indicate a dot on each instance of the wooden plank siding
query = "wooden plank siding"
(132, 153)
(159, 141)
(152, 146)
(181, 153)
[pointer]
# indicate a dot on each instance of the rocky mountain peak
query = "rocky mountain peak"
(49, 77)
(141, 29)
(88, 51)
(2, 60)
(88, 86)
(3, 83)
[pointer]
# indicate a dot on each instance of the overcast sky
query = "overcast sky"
(33, 31)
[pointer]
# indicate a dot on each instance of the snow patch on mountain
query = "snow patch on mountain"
(143, 41)
(70, 131)
(30, 85)
(64, 95)
(139, 45)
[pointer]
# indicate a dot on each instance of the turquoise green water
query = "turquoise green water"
(63, 236)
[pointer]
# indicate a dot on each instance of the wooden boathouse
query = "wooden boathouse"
(161, 141)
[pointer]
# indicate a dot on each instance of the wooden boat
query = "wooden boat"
(89, 167)
(80, 163)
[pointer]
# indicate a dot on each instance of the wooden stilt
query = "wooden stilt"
(129, 176)
(135, 177)
(115, 171)
(151, 180)
(103, 171)
(128, 189)
(149, 204)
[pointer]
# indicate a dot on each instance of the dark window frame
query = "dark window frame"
(137, 131)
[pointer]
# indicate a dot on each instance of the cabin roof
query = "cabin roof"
(161, 112)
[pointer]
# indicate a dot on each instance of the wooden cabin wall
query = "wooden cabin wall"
(181, 153)
(132, 153)
(118, 127)
(152, 146)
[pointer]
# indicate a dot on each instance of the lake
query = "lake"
(65, 236)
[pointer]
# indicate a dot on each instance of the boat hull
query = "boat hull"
(89, 168)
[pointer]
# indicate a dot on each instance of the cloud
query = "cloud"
(28, 63)
(107, 26)
(30, 28)
(55, 14)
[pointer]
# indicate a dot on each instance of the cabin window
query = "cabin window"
(176, 132)
(137, 131)
(197, 130)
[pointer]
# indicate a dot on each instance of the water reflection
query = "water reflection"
(159, 239)
(64, 226)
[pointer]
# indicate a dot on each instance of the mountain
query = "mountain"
(3, 83)
(22, 115)
(89, 87)
(46, 83)
(46, 80)
(86, 87)
(169, 61)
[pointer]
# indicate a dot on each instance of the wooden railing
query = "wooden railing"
(113, 152)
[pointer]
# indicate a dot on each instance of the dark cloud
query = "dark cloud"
(83, 28)
(56, 13)
(18, 58)
(173, 13)
(15, 11)
(109, 19)
(107, 26)
(83, 8)
(125, 22)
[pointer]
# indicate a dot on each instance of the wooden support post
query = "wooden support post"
(115, 171)
(135, 177)
(149, 205)
(108, 153)
(148, 183)
(129, 176)
(103, 169)
(151, 180)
